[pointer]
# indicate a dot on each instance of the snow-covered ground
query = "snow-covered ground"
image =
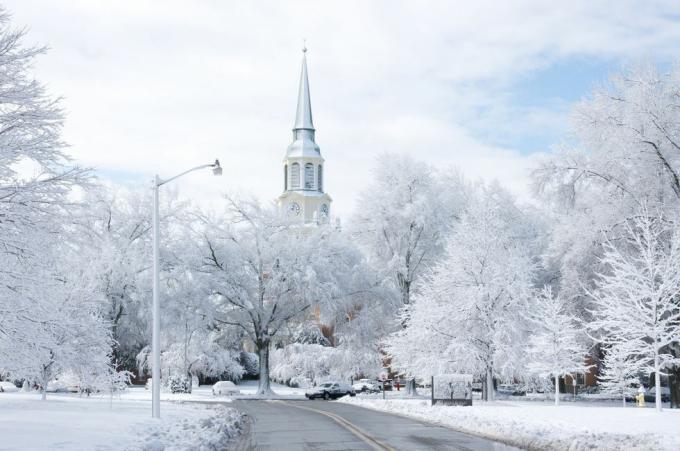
(535, 425)
(248, 389)
(71, 422)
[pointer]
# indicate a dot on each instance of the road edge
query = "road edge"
(502, 441)
(244, 442)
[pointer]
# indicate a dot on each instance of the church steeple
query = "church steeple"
(303, 116)
(303, 166)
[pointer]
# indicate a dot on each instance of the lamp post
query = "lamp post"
(155, 340)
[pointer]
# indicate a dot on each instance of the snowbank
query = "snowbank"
(209, 430)
(545, 427)
(69, 422)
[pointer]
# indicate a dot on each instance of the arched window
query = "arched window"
(309, 176)
(285, 177)
(319, 176)
(295, 175)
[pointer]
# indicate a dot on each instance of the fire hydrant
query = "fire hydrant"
(640, 398)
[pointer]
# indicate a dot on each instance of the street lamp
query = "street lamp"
(155, 340)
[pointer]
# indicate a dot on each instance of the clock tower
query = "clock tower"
(303, 196)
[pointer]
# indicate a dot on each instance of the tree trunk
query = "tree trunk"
(411, 387)
(657, 382)
(674, 386)
(45, 379)
(624, 401)
(405, 288)
(488, 384)
(263, 385)
(557, 390)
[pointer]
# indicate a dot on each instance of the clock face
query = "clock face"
(293, 209)
(324, 210)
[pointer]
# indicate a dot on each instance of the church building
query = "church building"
(303, 196)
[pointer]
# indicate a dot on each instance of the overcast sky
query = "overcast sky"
(486, 86)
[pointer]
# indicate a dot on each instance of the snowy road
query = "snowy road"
(320, 425)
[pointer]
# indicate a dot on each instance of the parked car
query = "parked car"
(423, 382)
(64, 383)
(330, 390)
(367, 386)
(6, 387)
(62, 386)
(225, 388)
(511, 390)
(650, 395)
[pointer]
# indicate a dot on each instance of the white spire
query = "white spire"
(303, 116)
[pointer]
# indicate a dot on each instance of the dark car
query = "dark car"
(330, 390)
(650, 395)
(511, 390)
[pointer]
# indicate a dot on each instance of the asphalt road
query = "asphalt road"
(322, 425)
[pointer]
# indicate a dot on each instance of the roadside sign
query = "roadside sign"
(452, 389)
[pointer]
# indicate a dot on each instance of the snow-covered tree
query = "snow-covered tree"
(68, 333)
(556, 346)
(623, 155)
(468, 314)
(620, 371)
(250, 363)
(403, 219)
(636, 296)
(310, 364)
(113, 231)
(267, 272)
(49, 317)
(308, 332)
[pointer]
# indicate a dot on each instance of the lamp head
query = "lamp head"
(217, 169)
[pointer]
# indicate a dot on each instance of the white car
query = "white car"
(6, 387)
(225, 388)
(367, 385)
(65, 382)
(62, 386)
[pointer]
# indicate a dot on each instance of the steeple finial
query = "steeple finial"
(304, 45)
(303, 116)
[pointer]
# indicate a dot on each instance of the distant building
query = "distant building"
(303, 166)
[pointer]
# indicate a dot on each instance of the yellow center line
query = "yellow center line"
(354, 429)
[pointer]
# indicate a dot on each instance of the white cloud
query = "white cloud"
(161, 86)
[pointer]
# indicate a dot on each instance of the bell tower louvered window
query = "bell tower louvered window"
(295, 175)
(285, 177)
(319, 175)
(309, 176)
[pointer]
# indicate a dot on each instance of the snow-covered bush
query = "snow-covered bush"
(304, 364)
(310, 333)
(250, 363)
(203, 429)
(216, 362)
(205, 360)
(178, 383)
